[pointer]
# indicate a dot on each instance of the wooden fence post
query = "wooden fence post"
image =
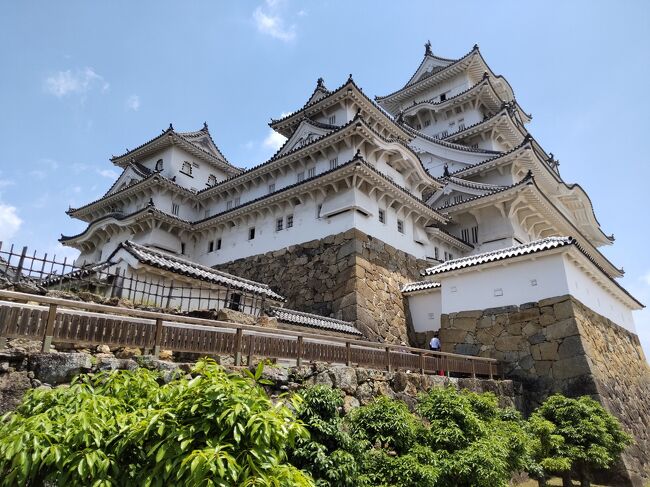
(251, 345)
(421, 363)
(237, 351)
(158, 338)
(19, 268)
(473, 369)
(49, 329)
(348, 354)
(299, 348)
(388, 364)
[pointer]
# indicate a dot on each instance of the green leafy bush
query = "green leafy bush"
(578, 434)
(330, 454)
(385, 423)
(124, 428)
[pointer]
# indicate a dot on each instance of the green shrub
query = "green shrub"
(581, 434)
(329, 454)
(123, 428)
(385, 423)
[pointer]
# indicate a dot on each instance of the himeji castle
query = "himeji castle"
(389, 213)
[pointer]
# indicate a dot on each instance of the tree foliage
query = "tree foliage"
(576, 434)
(212, 428)
(124, 428)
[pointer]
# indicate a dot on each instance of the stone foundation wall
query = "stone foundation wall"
(20, 371)
(349, 276)
(560, 345)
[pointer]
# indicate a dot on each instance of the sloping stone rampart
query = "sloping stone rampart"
(560, 345)
(350, 276)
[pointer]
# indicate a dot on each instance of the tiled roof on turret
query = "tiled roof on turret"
(413, 287)
(475, 89)
(349, 87)
(537, 246)
(173, 263)
(499, 189)
(199, 142)
(357, 119)
(473, 184)
(301, 318)
(506, 111)
(319, 92)
(445, 143)
(410, 83)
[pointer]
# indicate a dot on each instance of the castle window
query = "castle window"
(235, 301)
(271, 187)
(318, 209)
(451, 257)
(332, 119)
(443, 96)
(210, 246)
(334, 162)
(475, 234)
(237, 201)
(446, 256)
(183, 248)
(418, 126)
(465, 234)
(311, 172)
(458, 199)
(400, 226)
(186, 168)
(301, 176)
(218, 244)
(436, 253)
(461, 124)
(427, 123)
(279, 223)
(251, 233)
(159, 165)
(175, 208)
(382, 216)
(207, 213)
(289, 221)
(212, 180)
(228, 204)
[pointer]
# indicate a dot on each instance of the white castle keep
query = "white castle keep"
(443, 170)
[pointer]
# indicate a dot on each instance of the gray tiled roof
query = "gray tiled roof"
(419, 286)
(315, 321)
(495, 255)
(173, 263)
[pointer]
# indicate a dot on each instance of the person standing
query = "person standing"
(434, 344)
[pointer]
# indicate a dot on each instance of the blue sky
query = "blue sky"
(83, 80)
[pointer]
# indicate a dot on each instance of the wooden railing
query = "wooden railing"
(82, 323)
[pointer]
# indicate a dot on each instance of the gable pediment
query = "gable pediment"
(457, 190)
(128, 177)
(429, 66)
(305, 134)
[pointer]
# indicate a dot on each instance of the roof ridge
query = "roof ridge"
(457, 61)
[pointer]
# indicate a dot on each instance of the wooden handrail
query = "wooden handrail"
(158, 317)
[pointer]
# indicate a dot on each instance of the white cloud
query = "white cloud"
(80, 81)
(133, 103)
(10, 222)
(6, 182)
(107, 173)
(274, 140)
(269, 21)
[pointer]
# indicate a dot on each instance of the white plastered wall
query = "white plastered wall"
(425, 310)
